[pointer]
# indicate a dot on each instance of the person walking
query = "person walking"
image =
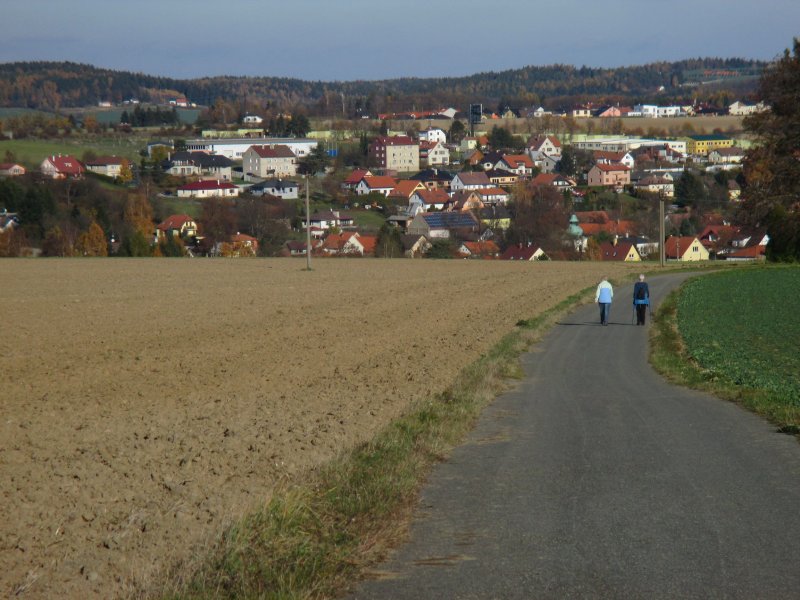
(603, 296)
(641, 299)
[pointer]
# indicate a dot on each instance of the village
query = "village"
(472, 190)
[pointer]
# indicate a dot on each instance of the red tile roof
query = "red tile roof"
(376, 182)
(273, 151)
(68, 165)
(174, 222)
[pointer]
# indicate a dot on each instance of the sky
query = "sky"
(384, 39)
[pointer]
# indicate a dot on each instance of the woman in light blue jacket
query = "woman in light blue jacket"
(603, 296)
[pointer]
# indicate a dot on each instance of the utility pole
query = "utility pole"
(661, 232)
(308, 230)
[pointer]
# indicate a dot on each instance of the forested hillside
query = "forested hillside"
(58, 85)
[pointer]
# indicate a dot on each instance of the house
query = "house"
(181, 226)
(353, 179)
(500, 177)
(350, 243)
(595, 222)
(556, 180)
(726, 156)
(433, 153)
(433, 134)
(188, 164)
(427, 201)
(328, 219)
(748, 254)
(483, 249)
(109, 166)
(465, 200)
(405, 189)
(442, 224)
(493, 195)
(415, 246)
(434, 179)
(604, 175)
(684, 249)
(381, 184)
(280, 188)
(11, 170)
(740, 109)
(604, 157)
(398, 153)
(701, 145)
(473, 143)
(734, 190)
(656, 184)
(298, 248)
(252, 120)
(620, 251)
(527, 252)
(62, 167)
(520, 164)
(208, 189)
(470, 181)
(543, 145)
(239, 245)
(273, 160)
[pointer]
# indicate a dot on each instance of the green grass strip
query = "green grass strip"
(690, 362)
(313, 539)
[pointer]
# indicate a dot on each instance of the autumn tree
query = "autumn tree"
(138, 214)
(92, 242)
(772, 166)
(540, 217)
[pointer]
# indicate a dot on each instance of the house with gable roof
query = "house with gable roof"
(433, 134)
(382, 184)
(434, 178)
(109, 166)
(433, 153)
(486, 249)
(527, 252)
(605, 157)
(442, 224)
(543, 144)
(62, 167)
(557, 180)
(620, 252)
(684, 249)
(470, 181)
(11, 170)
(427, 201)
(405, 189)
(354, 178)
(181, 226)
(280, 188)
(520, 164)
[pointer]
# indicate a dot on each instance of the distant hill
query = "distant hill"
(58, 85)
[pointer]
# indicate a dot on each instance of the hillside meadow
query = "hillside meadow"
(148, 403)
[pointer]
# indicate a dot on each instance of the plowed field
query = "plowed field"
(145, 403)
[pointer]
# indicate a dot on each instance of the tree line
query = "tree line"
(52, 86)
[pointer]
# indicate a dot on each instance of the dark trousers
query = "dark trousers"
(605, 308)
(641, 313)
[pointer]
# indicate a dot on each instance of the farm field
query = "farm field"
(742, 327)
(146, 403)
(31, 153)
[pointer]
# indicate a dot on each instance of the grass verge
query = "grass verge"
(313, 539)
(670, 357)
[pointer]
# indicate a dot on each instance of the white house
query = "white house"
(208, 189)
(470, 181)
(433, 134)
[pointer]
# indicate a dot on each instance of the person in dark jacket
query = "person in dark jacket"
(641, 299)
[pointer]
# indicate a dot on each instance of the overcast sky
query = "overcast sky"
(377, 39)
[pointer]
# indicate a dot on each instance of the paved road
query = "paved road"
(596, 479)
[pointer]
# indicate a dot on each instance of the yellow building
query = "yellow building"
(703, 144)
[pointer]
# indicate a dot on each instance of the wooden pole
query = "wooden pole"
(308, 230)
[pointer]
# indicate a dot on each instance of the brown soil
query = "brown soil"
(146, 403)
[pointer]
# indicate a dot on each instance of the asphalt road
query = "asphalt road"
(597, 479)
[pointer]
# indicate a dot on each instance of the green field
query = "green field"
(742, 329)
(32, 152)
